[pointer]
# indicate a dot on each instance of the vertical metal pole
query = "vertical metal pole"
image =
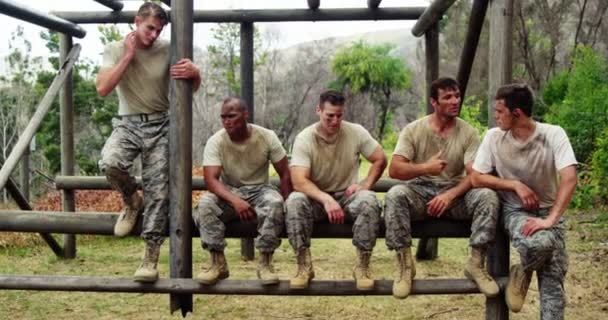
(67, 143)
(180, 145)
(428, 247)
(500, 72)
(247, 251)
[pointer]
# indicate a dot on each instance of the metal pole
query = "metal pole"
(428, 247)
(66, 114)
(45, 104)
(247, 250)
(25, 13)
(180, 138)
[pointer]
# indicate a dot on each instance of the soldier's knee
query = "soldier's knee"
(397, 192)
(295, 200)
(487, 196)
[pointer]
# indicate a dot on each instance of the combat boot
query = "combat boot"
(475, 270)
(217, 271)
(147, 269)
(305, 271)
(134, 204)
(361, 272)
(406, 271)
(266, 270)
(517, 287)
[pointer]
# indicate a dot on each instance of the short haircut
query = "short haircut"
(443, 83)
(334, 97)
(151, 9)
(517, 95)
(237, 102)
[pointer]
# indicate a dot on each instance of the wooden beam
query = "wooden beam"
(373, 4)
(43, 108)
(232, 287)
(467, 57)
(25, 13)
(313, 4)
(501, 50)
(248, 15)
(180, 155)
(112, 4)
(431, 16)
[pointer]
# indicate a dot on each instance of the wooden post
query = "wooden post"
(66, 114)
(500, 72)
(247, 250)
(24, 176)
(428, 247)
(180, 146)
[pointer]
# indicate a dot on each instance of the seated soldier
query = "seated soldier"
(235, 166)
(433, 154)
(325, 168)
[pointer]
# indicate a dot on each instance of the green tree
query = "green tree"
(364, 68)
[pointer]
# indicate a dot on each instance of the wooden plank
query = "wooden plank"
(232, 287)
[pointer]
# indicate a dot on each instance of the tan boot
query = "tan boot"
(147, 269)
(217, 271)
(517, 287)
(127, 219)
(475, 270)
(266, 270)
(361, 272)
(305, 271)
(406, 271)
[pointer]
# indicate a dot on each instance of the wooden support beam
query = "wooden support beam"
(66, 115)
(180, 155)
(43, 108)
(431, 16)
(24, 175)
(467, 57)
(501, 50)
(373, 4)
(25, 13)
(167, 2)
(313, 4)
(232, 287)
(248, 15)
(112, 4)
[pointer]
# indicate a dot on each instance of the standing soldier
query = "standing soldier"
(434, 154)
(325, 172)
(239, 155)
(528, 157)
(139, 68)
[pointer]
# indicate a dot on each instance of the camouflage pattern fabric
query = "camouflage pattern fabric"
(544, 252)
(212, 214)
(362, 209)
(408, 202)
(150, 139)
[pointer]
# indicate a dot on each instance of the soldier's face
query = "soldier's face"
(503, 116)
(331, 117)
(447, 103)
(234, 118)
(148, 30)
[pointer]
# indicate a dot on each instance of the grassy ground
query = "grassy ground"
(587, 283)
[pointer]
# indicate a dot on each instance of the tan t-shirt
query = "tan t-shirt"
(244, 163)
(535, 162)
(334, 165)
(418, 143)
(144, 87)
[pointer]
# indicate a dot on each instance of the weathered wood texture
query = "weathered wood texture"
(25, 13)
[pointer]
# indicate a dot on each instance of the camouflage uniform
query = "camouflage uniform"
(212, 213)
(408, 201)
(544, 252)
(132, 136)
(361, 208)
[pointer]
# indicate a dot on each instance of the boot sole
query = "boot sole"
(210, 283)
(270, 282)
(145, 279)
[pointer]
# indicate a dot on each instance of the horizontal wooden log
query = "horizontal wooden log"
(198, 183)
(274, 15)
(431, 15)
(103, 224)
(373, 4)
(233, 287)
(112, 4)
(23, 12)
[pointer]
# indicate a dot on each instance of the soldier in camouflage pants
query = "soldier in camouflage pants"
(213, 213)
(408, 202)
(361, 208)
(543, 252)
(131, 137)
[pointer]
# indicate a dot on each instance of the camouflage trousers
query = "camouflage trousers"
(362, 209)
(129, 139)
(545, 252)
(212, 214)
(407, 202)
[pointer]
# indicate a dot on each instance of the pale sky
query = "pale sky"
(290, 32)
